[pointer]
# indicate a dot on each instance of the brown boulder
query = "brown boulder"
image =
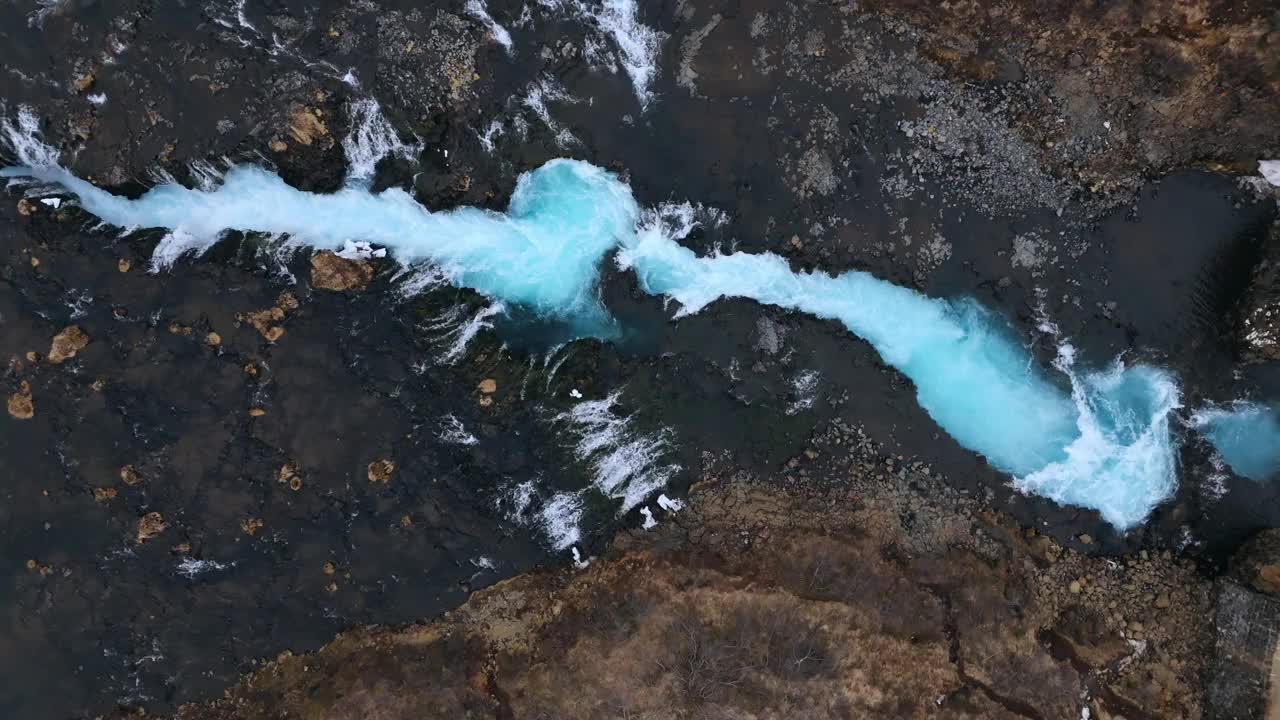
(330, 272)
(149, 526)
(20, 405)
(66, 344)
(380, 471)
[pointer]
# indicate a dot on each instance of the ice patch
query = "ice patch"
(670, 505)
(486, 139)
(477, 10)
(649, 523)
(1270, 170)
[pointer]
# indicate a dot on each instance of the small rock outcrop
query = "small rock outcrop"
(66, 344)
(332, 272)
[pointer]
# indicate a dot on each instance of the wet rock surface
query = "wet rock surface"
(304, 459)
(1259, 314)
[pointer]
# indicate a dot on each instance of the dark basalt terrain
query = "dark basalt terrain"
(247, 454)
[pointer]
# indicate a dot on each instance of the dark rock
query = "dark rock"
(1244, 659)
(1257, 563)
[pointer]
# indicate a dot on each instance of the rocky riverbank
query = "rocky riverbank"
(221, 459)
(866, 597)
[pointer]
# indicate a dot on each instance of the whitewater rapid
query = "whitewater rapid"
(1100, 439)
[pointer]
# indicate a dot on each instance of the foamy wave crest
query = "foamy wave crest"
(457, 329)
(1123, 420)
(454, 432)
(371, 139)
(557, 517)
(627, 464)
(638, 44)
(560, 518)
(23, 140)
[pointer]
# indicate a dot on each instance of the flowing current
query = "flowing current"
(1099, 439)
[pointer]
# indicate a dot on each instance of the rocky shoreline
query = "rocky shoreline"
(250, 452)
(866, 597)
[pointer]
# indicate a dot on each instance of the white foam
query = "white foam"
(23, 139)
(190, 568)
(175, 245)
(517, 501)
(371, 139)
(536, 98)
(559, 518)
(1123, 419)
(97, 98)
(476, 9)
(628, 465)
(494, 129)
(461, 335)
(206, 176)
(454, 432)
(360, 250)
(637, 44)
